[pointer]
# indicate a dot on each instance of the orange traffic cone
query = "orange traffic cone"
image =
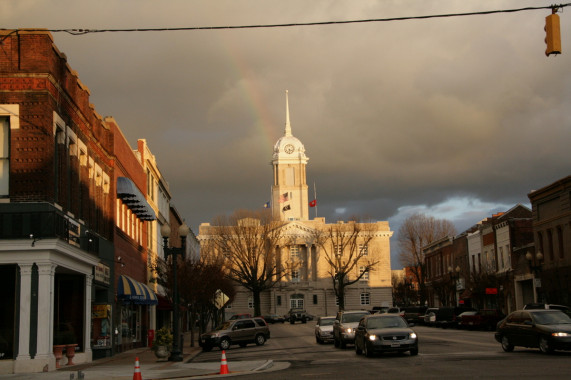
(137, 373)
(224, 364)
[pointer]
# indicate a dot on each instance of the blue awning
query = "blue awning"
(130, 290)
(134, 199)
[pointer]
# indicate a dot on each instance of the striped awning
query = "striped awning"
(133, 291)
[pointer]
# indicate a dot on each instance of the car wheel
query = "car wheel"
(260, 340)
(358, 351)
(506, 346)
(414, 351)
(317, 340)
(206, 348)
(544, 346)
(224, 344)
(303, 320)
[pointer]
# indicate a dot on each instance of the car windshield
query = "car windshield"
(386, 323)
(356, 317)
(326, 322)
(551, 318)
(223, 326)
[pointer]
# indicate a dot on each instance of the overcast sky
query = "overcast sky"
(454, 117)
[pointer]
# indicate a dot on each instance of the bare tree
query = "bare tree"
(417, 231)
(345, 248)
(198, 283)
(247, 242)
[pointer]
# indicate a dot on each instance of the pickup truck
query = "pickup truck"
(486, 319)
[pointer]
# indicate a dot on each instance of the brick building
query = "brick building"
(56, 204)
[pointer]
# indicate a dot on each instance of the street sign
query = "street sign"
(220, 299)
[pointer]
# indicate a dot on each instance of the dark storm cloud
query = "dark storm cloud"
(456, 117)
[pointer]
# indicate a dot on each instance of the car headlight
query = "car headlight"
(348, 330)
(560, 334)
(215, 335)
(412, 336)
(372, 338)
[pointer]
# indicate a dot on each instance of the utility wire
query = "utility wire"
(88, 31)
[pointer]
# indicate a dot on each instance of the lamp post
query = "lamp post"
(454, 276)
(183, 231)
(535, 264)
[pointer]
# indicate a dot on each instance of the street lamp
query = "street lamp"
(534, 266)
(183, 231)
(454, 276)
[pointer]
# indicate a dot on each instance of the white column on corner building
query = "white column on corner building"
(87, 317)
(46, 274)
(25, 308)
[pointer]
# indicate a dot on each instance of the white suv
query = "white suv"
(344, 326)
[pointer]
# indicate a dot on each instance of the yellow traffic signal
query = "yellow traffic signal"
(552, 35)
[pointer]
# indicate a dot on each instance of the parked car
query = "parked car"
(486, 319)
(274, 318)
(236, 331)
(240, 316)
(395, 310)
(546, 329)
(447, 316)
(413, 314)
(324, 329)
(379, 309)
(384, 333)
(344, 326)
(296, 315)
(430, 316)
(563, 308)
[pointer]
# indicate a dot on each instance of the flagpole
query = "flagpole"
(315, 197)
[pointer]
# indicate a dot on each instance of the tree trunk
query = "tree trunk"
(257, 306)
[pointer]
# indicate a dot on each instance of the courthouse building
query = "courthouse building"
(310, 286)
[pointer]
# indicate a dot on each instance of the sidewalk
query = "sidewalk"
(122, 367)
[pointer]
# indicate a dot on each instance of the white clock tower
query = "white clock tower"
(289, 189)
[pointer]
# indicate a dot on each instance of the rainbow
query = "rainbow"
(260, 112)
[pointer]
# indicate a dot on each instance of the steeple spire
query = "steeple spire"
(287, 131)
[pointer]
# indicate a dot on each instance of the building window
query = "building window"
(279, 300)
(294, 276)
(365, 298)
(4, 157)
(294, 252)
(229, 306)
(560, 242)
(364, 249)
(550, 244)
(250, 302)
(338, 250)
(501, 258)
(365, 275)
(296, 301)
(315, 299)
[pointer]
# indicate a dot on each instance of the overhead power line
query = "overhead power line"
(406, 18)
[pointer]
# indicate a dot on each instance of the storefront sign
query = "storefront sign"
(103, 273)
(100, 311)
(491, 290)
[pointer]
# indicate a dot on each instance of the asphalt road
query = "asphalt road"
(443, 353)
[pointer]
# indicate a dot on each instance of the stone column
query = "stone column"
(87, 318)
(46, 274)
(25, 309)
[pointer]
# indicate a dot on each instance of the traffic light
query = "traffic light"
(552, 35)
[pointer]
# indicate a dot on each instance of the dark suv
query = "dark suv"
(295, 315)
(344, 326)
(237, 331)
(447, 316)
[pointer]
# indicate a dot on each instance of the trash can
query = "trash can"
(151, 337)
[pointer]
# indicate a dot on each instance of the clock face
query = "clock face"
(288, 148)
